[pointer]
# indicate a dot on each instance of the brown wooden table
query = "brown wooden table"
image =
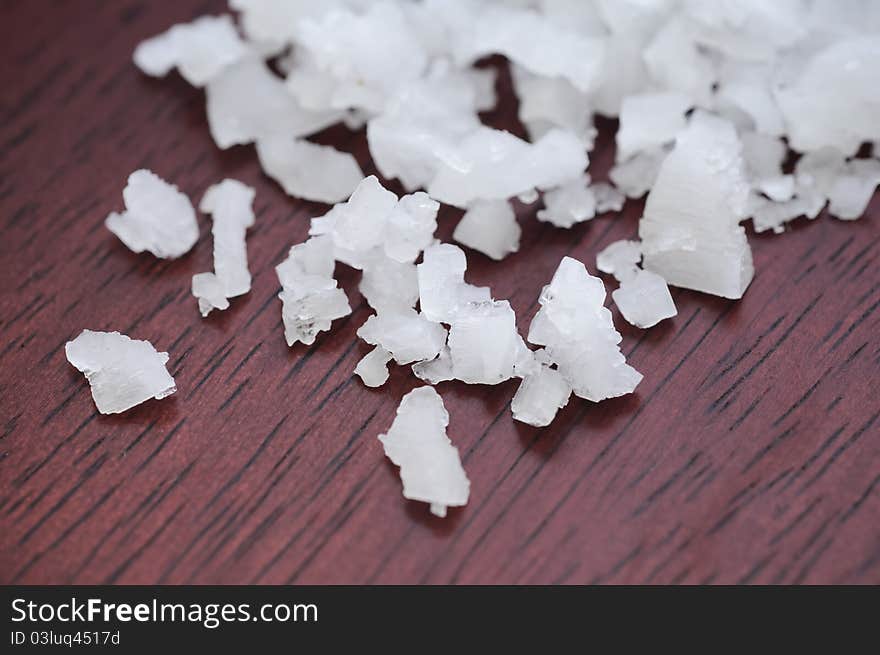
(750, 452)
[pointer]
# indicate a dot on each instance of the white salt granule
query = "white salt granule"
(644, 299)
(199, 50)
(122, 372)
(310, 297)
(230, 204)
(430, 467)
(157, 218)
(483, 342)
(608, 198)
(579, 336)
(619, 258)
(442, 289)
(636, 176)
(495, 165)
(541, 394)
(406, 334)
(373, 367)
(308, 170)
(569, 203)
(247, 102)
(490, 227)
(690, 230)
(851, 191)
(650, 120)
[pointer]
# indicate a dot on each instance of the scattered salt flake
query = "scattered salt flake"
(483, 342)
(833, 101)
(778, 188)
(568, 204)
(434, 371)
(442, 289)
(636, 176)
(310, 298)
(406, 334)
(122, 372)
(644, 299)
(649, 120)
(579, 336)
(247, 102)
(619, 258)
(851, 191)
(540, 395)
(608, 198)
(690, 230)
(387, 283)
(308, 170)
(157, 218)
(373, 367)
(230, 204)
(494, 164)
(430, 467)
(490, 227)
(200, 50)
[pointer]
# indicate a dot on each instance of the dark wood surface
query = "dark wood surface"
(750, 452)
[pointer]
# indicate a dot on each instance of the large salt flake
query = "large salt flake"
(483, 342)
(490, 227)
(230, 205)
(644, 299)
(310, 297)
(442, 289)
(579, 336)
(247, 102)
(373, 367)
(690, 231)
(368, 56)
(649, 120)
(308, 170)
(541, 394)
(200, 50)
(122, 372)
(834, 101)
(493, 164)
(430, 467)
(157, 218)
(406, 334)
(569, 203)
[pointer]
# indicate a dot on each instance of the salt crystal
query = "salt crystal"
(310, 297)
(579, 335)
(406, 334)
(649, 120)
(690, 231)
(833, 101)
(851, 192)
(619, 258)
(388, 283)
(541, 46)
(490, 227)
(157, 218)
(608, 198)
(367, 56)
(230, 204)
(122, 372)
(200, 50)
(247, 102)
(569, 203)
(484, 343)
(636, 176)
(373, 367)
(308, 170)
(434, 371)
(430, 467)
(778, 188)
(540, 396)
(493, 164)
(442, 289)
(548, 102)
(676, 63)
(644, 299)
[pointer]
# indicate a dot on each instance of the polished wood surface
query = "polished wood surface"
(750, 452)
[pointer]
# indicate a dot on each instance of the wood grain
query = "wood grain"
(750, 452)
